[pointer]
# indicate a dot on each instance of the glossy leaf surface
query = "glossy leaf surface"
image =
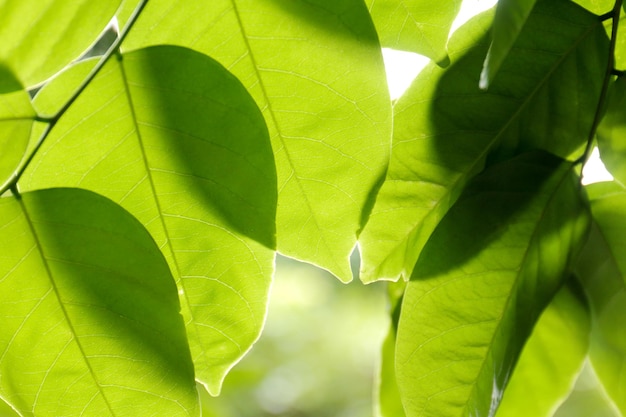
(480, 285)
(552, 358)
(445, 126)
(40, 37)
(612, 132)
(16, 120)
(602, 269)
(91, 320)
(190, 157)
(420, 26)
(511, 15)
(315, 69)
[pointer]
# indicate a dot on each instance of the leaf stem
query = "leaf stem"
(52, 120)
(610, 71)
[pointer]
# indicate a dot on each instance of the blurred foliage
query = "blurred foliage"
(318, 352)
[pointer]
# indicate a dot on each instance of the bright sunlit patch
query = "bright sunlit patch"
(401, 67)
(470, 8)
(594, 170)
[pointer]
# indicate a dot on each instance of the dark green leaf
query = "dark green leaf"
(602, 270)
(40, 37)
(445, 126)
(315, 69)
(174, 138)
(552, 358)
(488, 271)
(612, 132)
(16, 120)
(91, 321)
(511, 15)
(420, 26)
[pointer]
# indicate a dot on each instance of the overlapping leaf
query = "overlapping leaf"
(612, 132)
(40, 37)
(445, 126)
(602, 270)
(552, 358)
(91, 320)
(511, 15)
(488, 271)
(174, 138)
(315, 69)
(420, 26)
(16, 121)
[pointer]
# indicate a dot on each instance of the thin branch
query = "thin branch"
(610, 68)
(52, 120)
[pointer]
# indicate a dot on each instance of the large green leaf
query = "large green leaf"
(511, 15)
(174, 138)
(420, 26)
(91, 320)
(552, 358)
(315, 69)
(40, 37)
(612, 132)
(445, 126)
(16, 120)
(488, 271)
(602, 270)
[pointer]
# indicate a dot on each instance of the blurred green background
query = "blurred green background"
(319, 351)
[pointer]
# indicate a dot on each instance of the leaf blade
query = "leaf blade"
(479, 286)
(190, 157)
(88, 302)
(315, 69)
(59, 31)
(446, 129)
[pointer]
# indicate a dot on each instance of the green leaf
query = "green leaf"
(420, 26)
(16, 121)
(445, 127)
(602, 270)
(551, 359)
(315, 69)
(40, 37)
(175, 139)
(91, 321)
(612, 132)
(511, 15)
(480, 285)
(387, 400)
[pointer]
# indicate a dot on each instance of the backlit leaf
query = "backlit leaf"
(91, 322)
(16, 120)
(602, 270)
(40, 37)
(507, 25)
(445, 127)
(612, 132)
(315, 69)
(175, 139)
(552, 358)
(420, 26)
(481, 284)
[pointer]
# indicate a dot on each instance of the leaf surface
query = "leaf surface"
(40, 37)
(611, 133)
(480, 285)
(175, 139)
(91, 320)
(511, 15)
(552, 358)
(315, 69)
(602, 270)
(16, 121)
(445, 127)
(420, 26)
